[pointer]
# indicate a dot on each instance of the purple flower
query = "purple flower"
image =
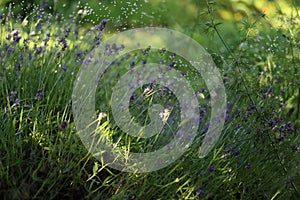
(64, 125)
(132, 64)
(173, 55)
(13, 95)
(38, 27)
(163, 50)
(40, 94)
(201, 90)
(146, 51)
(64, 43)
(211, 169)
(133, 97)
(27, 106)
(16, 36)
(102, 25)
(249, 166)
(16, 102)
(39, 50)
(79, 54)
(64, 67)
(18, 65)
(172, 64)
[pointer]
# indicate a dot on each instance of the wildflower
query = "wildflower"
(102, 25)
(211, 169)
(16, 102)
(79, 54)
(201, 90)
(249, 166)
(114, 47)
(64, 67)
(164, 115)
(1, 16)
(172, 64)
(18, 65)
(163, 50)
(64, 125)
(39, 50)
(133, 98)
(226, 155)
(148, 90)
(271, 123)
(107, 46)
(40, 94)
(15, 35)
(64, 43)
(26, 106)
(45, 5)
(38, 27)
(146, 51)
(173, 55)
(132, 64)
(13, 95)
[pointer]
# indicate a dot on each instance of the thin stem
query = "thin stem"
(236, 62)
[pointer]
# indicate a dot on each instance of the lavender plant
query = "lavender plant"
(257, 156)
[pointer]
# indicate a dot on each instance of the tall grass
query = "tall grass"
(257, 156)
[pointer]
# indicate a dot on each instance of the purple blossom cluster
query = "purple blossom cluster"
(37, 49)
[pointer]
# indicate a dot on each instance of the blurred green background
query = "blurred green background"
(123, 14)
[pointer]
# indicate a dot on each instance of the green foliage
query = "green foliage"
(257, 156)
